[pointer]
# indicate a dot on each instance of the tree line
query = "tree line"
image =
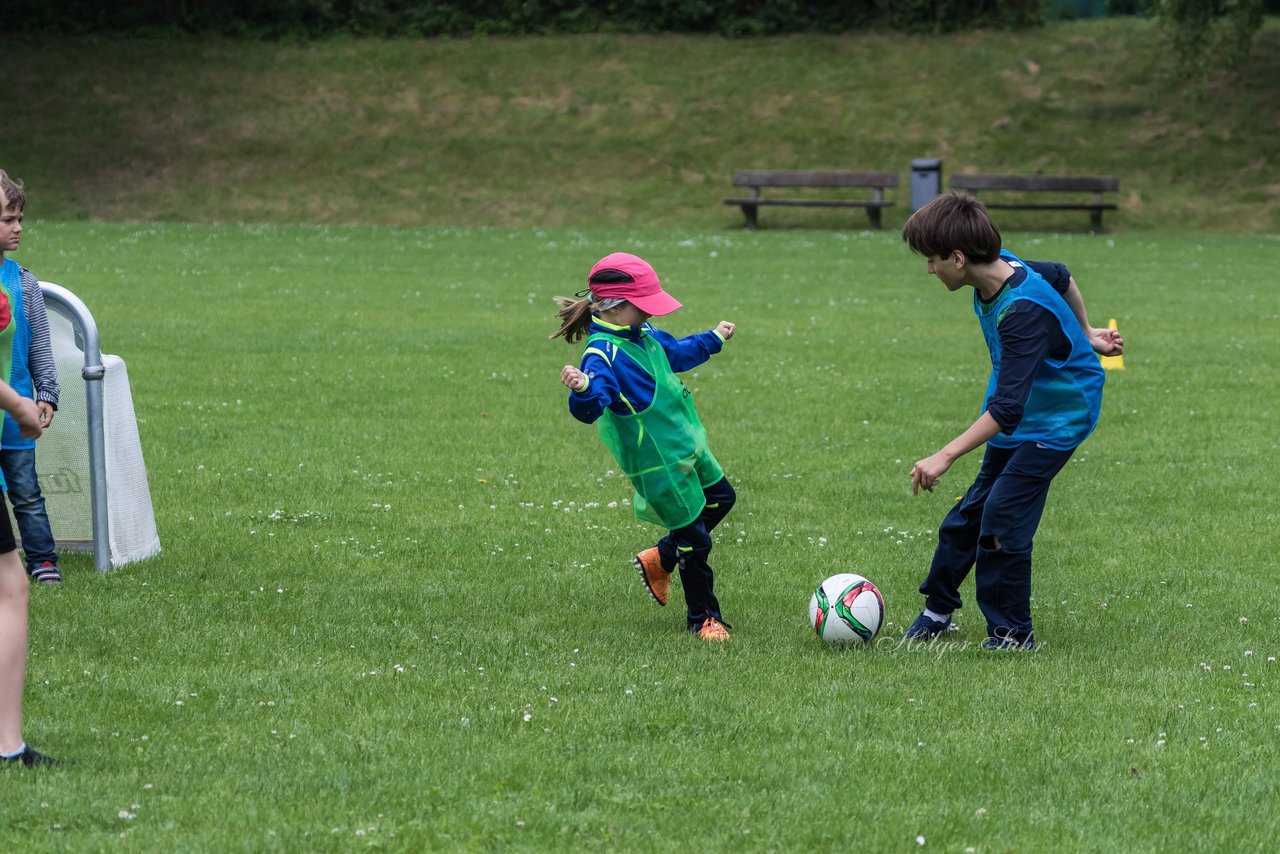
(1200, 32)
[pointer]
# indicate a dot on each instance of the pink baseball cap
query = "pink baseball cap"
(645, 292)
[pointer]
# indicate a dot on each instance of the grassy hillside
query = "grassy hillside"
(628, 131)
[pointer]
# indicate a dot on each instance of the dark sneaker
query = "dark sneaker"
(46, 573)
(1026, 643)
(925, 629)
(656, 579)
(30, 758)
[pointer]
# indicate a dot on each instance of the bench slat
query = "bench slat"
(811, 203)
(1035, 183)
(812, 178)
(1047, 206)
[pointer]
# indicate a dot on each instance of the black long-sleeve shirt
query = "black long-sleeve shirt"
(1028, 334)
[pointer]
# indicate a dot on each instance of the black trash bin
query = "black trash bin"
(926, 181)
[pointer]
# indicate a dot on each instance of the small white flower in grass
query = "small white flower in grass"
(126, 815)
(1160, 742)
(1244, 620)
(1248, 653)
(920, 840)
(528, 716)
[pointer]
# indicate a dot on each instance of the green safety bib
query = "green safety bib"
(663, 448)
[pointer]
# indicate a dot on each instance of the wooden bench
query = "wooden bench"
(757, 179)
(1093, 184)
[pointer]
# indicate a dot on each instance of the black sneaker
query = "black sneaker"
(30, 758)
(925, 629)
(46, 573)
(1026, 643)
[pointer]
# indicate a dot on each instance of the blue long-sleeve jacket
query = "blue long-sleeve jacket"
(610, 379)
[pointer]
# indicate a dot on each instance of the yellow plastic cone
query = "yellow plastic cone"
(1112, 363)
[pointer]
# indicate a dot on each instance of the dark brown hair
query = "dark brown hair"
(11, 192)
(950, 222)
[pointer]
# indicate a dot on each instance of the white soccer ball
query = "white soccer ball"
(846, 608)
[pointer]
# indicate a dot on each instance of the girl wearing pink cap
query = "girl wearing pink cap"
(626, 385)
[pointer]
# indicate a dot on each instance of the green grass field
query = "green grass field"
(395, 609)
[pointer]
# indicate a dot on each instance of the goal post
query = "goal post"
(89, 461)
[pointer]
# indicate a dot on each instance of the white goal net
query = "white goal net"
(69, 474)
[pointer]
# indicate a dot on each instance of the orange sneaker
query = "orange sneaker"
(713, 630)
(656, 579)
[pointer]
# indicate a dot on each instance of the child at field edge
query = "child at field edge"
(1043, 399)
(627, 385)
(33, 372)
(14, 586)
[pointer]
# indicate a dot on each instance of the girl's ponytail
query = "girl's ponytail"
(575, 318)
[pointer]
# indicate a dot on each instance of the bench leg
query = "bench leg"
(749, 214)
(873, 214)
(1096, 218)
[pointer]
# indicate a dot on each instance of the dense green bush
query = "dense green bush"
(310, 18)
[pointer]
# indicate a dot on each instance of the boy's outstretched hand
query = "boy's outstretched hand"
(573, 378)
(1106, 342)
(725, 329)
(926, 473)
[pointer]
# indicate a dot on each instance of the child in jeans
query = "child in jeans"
(14, 586)
(33, 371)
(1042, 400)
(626, 384)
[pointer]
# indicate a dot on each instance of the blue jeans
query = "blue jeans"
(19, 466)
(991, 531)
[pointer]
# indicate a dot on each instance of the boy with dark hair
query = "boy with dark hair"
(1042, 400)
(33, 373)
